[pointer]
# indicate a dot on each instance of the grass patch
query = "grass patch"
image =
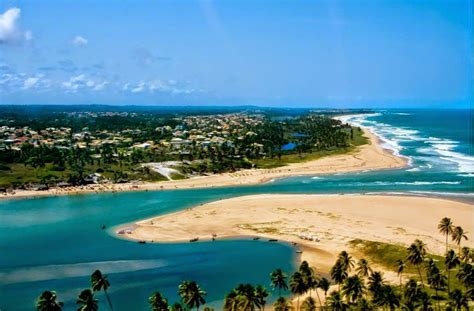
(386, 255)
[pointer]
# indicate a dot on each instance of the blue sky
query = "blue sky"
(271, 53)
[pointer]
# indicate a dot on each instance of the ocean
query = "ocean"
(57, 242)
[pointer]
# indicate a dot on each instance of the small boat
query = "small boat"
(273, 240)
(299, 251)
(141, 242)
(256, 238)
(194, 240)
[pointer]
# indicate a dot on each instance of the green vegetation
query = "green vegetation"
(434, 283)
(48, 148)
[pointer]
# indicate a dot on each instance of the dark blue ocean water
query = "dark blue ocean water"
(55, 243)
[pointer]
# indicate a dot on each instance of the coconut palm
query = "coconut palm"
(324, 284)
(451, 261)
(47, 301)
(158, 302)
(336, 303)
(376, 282)
(412, 293)
(86, 301)
(282, 304)
(466, 254)
(363, 269)
(191, 294)
(458, 300)
(298, 286)
(310, 278)
(346, 260)
(247, 299)
(416, 255)
(261, 293)
(231, 301)
(278, 279)
(457, 235)
(387, 297)
(466, 275)
(445, 227)
(353, 289)
(309, 304)
(99, 282)
(338, 273)
(400, 268)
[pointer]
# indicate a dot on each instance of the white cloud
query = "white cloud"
(30, 82)
(83, 82)
(100, 86)
(139, 88)
(79, 41)
(9, 29)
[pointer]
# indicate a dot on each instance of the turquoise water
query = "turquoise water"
(55, 243)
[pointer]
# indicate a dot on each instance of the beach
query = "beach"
(370, 156)
(334, 220)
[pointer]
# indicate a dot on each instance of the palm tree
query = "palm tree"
(458, 300)
(353, 289)
(363, 269)
(346, 260)
(466, 254)
(86, 301)
(100, 282)
(324, 284)
(388, 297)
(310, 279)
(466, 274)
(400, 268)
(191, 294)
(261, 293)
(446, 227)
(231, 301)
(47, 301)
(338, 273)
(298, 286)
(158, 302)
(309, 304)
(416, 255)
(278, 279)
(451, 261)
(246, 296)
(457, 235)
(376, 282)
(281, 304)
(336, 302)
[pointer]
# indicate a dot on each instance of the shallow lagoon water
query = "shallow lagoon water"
(55, 243)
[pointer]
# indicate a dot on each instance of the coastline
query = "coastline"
(370, 156)
(334, 219)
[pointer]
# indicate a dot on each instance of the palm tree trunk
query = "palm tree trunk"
(298, 303)
(437, 298)
(446, 242)
(319, 299)
(108, 300)
(449, 272)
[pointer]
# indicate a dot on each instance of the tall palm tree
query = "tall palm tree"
(336, 303)
(47, 301)
(388, 297)
(451, 261)
(99, 282)
(376, 282)
(324, 284)
(298, 286)
(363, 269)
(466, 254)
(191, 294)
(282, 304)
(247, 298)
(278, 280)
(353, 289)
(261, 293)
(338, 273)
(466, 274)
(346, 260)
(457, 235)
(400, 268)
(445, 227)
(416, 256)
(458, 300)
(309, 304)
(158, 302)
(86, 301)
(310, 278)
(231, 301)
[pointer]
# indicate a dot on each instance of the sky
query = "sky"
(293, 53)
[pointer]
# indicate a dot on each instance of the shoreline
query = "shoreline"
(368, 157)
(334, 219)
